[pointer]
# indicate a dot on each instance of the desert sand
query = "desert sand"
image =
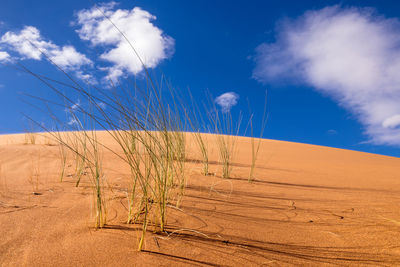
(308, 206)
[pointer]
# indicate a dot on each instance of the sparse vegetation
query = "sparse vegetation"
(197, 123)
(148, 122)
(150, 134)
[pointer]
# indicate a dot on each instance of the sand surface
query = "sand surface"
(308, 206)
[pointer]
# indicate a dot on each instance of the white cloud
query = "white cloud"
(68, 57)
(350, 54)
(72, 121)
(4, 56)
(29, 44)
(151, 44)
(227, 100)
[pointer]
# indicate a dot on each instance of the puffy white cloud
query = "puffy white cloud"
(29, 44)
(227, 100)
(4, 56)
(68, 57)
(350, 54)
(151, 44)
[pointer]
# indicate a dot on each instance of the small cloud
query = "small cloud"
(150, 43)
(226, 101)
(29, 44)
(349, 54)
(73, 107)
(72, 121)
(86, 77)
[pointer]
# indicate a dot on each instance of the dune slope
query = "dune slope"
(308, 205)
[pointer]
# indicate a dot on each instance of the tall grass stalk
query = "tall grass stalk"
(35, 174)
(62, 150)
(227, 132)
(97, 175)
(197, 123)
(255, 144)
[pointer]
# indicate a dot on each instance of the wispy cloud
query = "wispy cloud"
(226, 101)
(4, 56)
(29, 44)
(72, 121)
(350, 54)
(74, 107)
(151, 44)
(86, 77)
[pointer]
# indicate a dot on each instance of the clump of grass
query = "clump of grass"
(98, 179)
(150, 136)
(197, 123)
(35, 174)
(227, 131)
(202, 142)
(30, 138)
(47, 140)
(81, 157)
(3, 185)
(30, 135)
(86, 149)
(62, 149)
(255, 144)
(78, 142)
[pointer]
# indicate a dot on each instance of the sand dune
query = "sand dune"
(308, 206)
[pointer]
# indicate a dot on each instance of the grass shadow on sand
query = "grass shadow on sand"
(231, 247)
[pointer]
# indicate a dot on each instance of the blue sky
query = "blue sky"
(330, 67)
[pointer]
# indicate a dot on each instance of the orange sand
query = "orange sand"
(309, 206)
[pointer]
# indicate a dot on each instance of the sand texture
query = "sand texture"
(308, 206)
